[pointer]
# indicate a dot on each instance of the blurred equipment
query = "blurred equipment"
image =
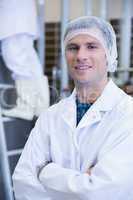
(125, 45)
(17, 34)
(33, 98)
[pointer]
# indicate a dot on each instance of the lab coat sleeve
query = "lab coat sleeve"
(111, 178)
(36, 152)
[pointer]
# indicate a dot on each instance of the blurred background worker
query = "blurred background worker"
(19, 29)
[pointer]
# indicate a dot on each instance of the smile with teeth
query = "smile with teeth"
(83, 67)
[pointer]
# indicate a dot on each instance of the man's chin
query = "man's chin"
(82, 82)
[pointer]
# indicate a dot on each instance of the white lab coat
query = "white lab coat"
(103, 138)
(18, 16)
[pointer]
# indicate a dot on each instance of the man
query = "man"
(18, 30)
(81, 148)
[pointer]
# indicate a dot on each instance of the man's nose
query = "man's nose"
(82, 54)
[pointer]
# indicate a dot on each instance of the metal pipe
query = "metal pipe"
(88, 7)
(103, 9)
(64, 70)
(41, 39)
(5, 163)
(125, 45)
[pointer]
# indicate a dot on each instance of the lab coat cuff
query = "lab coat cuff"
(40, 168)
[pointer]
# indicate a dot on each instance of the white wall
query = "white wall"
(53, 9)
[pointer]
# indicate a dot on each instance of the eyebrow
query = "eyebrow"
(87, 43)
(72, 44)
(93, 43)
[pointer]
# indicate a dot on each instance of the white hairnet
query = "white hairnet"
(98, 28)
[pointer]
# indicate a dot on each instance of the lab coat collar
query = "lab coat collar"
(110, 96)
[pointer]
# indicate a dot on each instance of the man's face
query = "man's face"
(86, 60)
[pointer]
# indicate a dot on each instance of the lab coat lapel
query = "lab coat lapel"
(103, 105)
(69, 113)
(97, 140)
(109, 97)
(91, 117)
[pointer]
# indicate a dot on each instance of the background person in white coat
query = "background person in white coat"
(81, 148)
(18, 30)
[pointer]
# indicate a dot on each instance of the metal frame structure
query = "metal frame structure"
(5, 153)
(125, 45)
(41, 39)
(64, 70)
(5, 163)
(103, 9)
(88, 7)
(4, 159)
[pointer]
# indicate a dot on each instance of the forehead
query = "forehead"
(83, 38)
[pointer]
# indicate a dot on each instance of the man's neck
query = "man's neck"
(89, 94)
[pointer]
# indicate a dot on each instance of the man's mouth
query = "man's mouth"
(82, 67)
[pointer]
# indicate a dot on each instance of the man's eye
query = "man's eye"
(91, 47)
(72, 48)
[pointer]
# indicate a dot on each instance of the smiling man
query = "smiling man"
(87, 63)
(81, 148)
